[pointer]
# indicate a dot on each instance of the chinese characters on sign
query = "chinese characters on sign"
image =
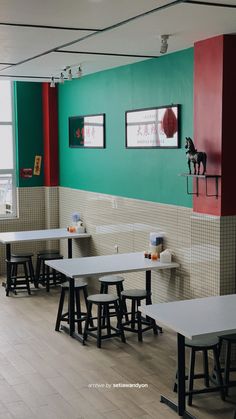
(152, 128)
(26, 173)
(37, 165)
(87, 131)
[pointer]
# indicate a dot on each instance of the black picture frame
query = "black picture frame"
(87, 131)
(156, 127)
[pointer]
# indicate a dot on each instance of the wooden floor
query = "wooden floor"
(47, 375)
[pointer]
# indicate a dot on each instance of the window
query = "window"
(7, 152)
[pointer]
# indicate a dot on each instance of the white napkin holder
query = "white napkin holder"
(80, 229)
(166, 256)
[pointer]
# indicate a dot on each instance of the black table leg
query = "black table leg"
(149, 292)
(71, 329)
(72, 306)
(148, 287)
(181, 374)
(69, 248)
(8, 257)
(180, 407)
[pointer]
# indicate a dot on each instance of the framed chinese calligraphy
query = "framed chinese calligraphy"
(153, 128)
(87, 131)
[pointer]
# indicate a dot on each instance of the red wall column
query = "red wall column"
(214, 120)
(50, 133)
(208, 86)
(229, 127)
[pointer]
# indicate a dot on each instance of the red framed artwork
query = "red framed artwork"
(87, 131)
(153, 127)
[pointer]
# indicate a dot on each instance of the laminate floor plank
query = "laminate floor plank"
(19, 410)
(85, 408)
(47, 375)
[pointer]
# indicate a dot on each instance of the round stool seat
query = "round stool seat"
(134, 293)
(231, 338)
(22, 255)
(19, 281)
(102, 298)
(18, 260)
(80, 316)
(50, 256)
(229, 366)
(79, 283)
(134, 321)
(47, 251)
(104, 303)
(28, 256)
(111, 279)
(201, 343)
(204, 346)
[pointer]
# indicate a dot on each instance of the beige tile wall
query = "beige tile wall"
(227, 255)
(205, 255)
(213, 255)
(203, 245)
(38, 209)
(51, 197)
(126, 223)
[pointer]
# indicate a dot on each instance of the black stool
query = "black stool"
(204, 347)
(228, 340)
(48, 251)
(39, 263)
(28, 255)
(80, 286)
(43, 273)
(18, 281)
(115, 281)
(103, 302)
(136, 296)
(109, 280)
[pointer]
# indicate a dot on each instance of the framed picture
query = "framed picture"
(153, 127)
(87, 131)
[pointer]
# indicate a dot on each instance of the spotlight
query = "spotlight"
(79, 72)
(69, 74)
(164, 44)
(62, 78)
(52, 84)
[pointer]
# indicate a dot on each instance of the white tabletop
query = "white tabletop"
(109, 264)
(50, 234)
(198, 318)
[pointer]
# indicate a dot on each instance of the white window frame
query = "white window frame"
(12, 172)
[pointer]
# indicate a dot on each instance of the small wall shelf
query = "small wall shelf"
(206, 177)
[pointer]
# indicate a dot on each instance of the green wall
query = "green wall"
(29, 129)
(149, 174)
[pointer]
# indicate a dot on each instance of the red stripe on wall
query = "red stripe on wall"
(229, 127)
(208, 88)
(50, 134)
(214, 120)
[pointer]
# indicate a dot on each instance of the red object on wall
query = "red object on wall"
(26, 173)
(169, 123)
(50, 133)
(214, 120)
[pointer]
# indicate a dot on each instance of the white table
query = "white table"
(194, 319)
(105, 265)
(34, 235)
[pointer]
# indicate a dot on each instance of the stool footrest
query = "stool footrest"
(129, 329)
(20, 279)
(107, 336)
(83, 317)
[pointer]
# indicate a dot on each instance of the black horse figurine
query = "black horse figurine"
(196, 157)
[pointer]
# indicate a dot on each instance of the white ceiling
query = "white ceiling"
(38, 39)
